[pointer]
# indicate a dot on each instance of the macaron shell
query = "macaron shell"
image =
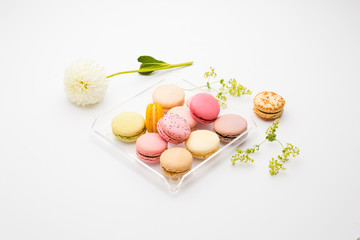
(154, 112)
(203, 155)
(169, 96)
(128, 126)
(163, 134)
(185, 113)
(202, 143)
(173, 128)
(229, 126)
(204, 107)
(150, 146)
(269, 102)
(175, 162)
(166, 137)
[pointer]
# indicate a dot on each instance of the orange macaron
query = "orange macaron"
(154, 112)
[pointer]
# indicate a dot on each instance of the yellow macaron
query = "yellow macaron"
(202, 143)
(128, 126)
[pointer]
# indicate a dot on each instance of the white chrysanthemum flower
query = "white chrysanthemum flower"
(85, 82)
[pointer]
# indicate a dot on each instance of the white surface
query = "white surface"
(57, 184)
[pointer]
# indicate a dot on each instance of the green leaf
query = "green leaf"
(271, 137)
(148, 59)
(150, 62)
(152, 65)
(144, 66)
(270, 131)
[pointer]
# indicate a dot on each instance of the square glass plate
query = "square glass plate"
(102, 132)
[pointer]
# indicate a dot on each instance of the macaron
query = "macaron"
(204, 108)
(175, 162)
(154, 112)
(169, 96)
(202, 143)
(128, 126)
(149, 147)
(173, 128)
(229, 126)
(268, 105)
(185, 113)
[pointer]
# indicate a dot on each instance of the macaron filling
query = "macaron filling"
(129, 137)
(201, 119)
(269, 112)
(174, 171)
(229, 137)
(154, 158)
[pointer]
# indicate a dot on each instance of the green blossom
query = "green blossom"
(231, 87)
(243, 156)
(275, 164)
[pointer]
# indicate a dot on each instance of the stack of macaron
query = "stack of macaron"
(167, 120)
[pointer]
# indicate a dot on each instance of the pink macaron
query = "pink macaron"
(204, 108)
(185, 113)
(149, 147)
(229, 126)
(173, 128)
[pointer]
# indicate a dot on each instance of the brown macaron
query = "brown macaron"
(175, 162)
(268, 105)
(229, 126)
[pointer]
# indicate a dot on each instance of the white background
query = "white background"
(55, 183)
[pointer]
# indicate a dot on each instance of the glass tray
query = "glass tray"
(102, 132)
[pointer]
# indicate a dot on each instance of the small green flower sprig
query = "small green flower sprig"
(275, 164)
(231, 87)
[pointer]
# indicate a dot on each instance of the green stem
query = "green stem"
(262, 142)
(202, 86)
(280, 143)
(214, 89)
(152, 69)
(258, 145)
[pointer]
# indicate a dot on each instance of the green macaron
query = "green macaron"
(128, 126)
